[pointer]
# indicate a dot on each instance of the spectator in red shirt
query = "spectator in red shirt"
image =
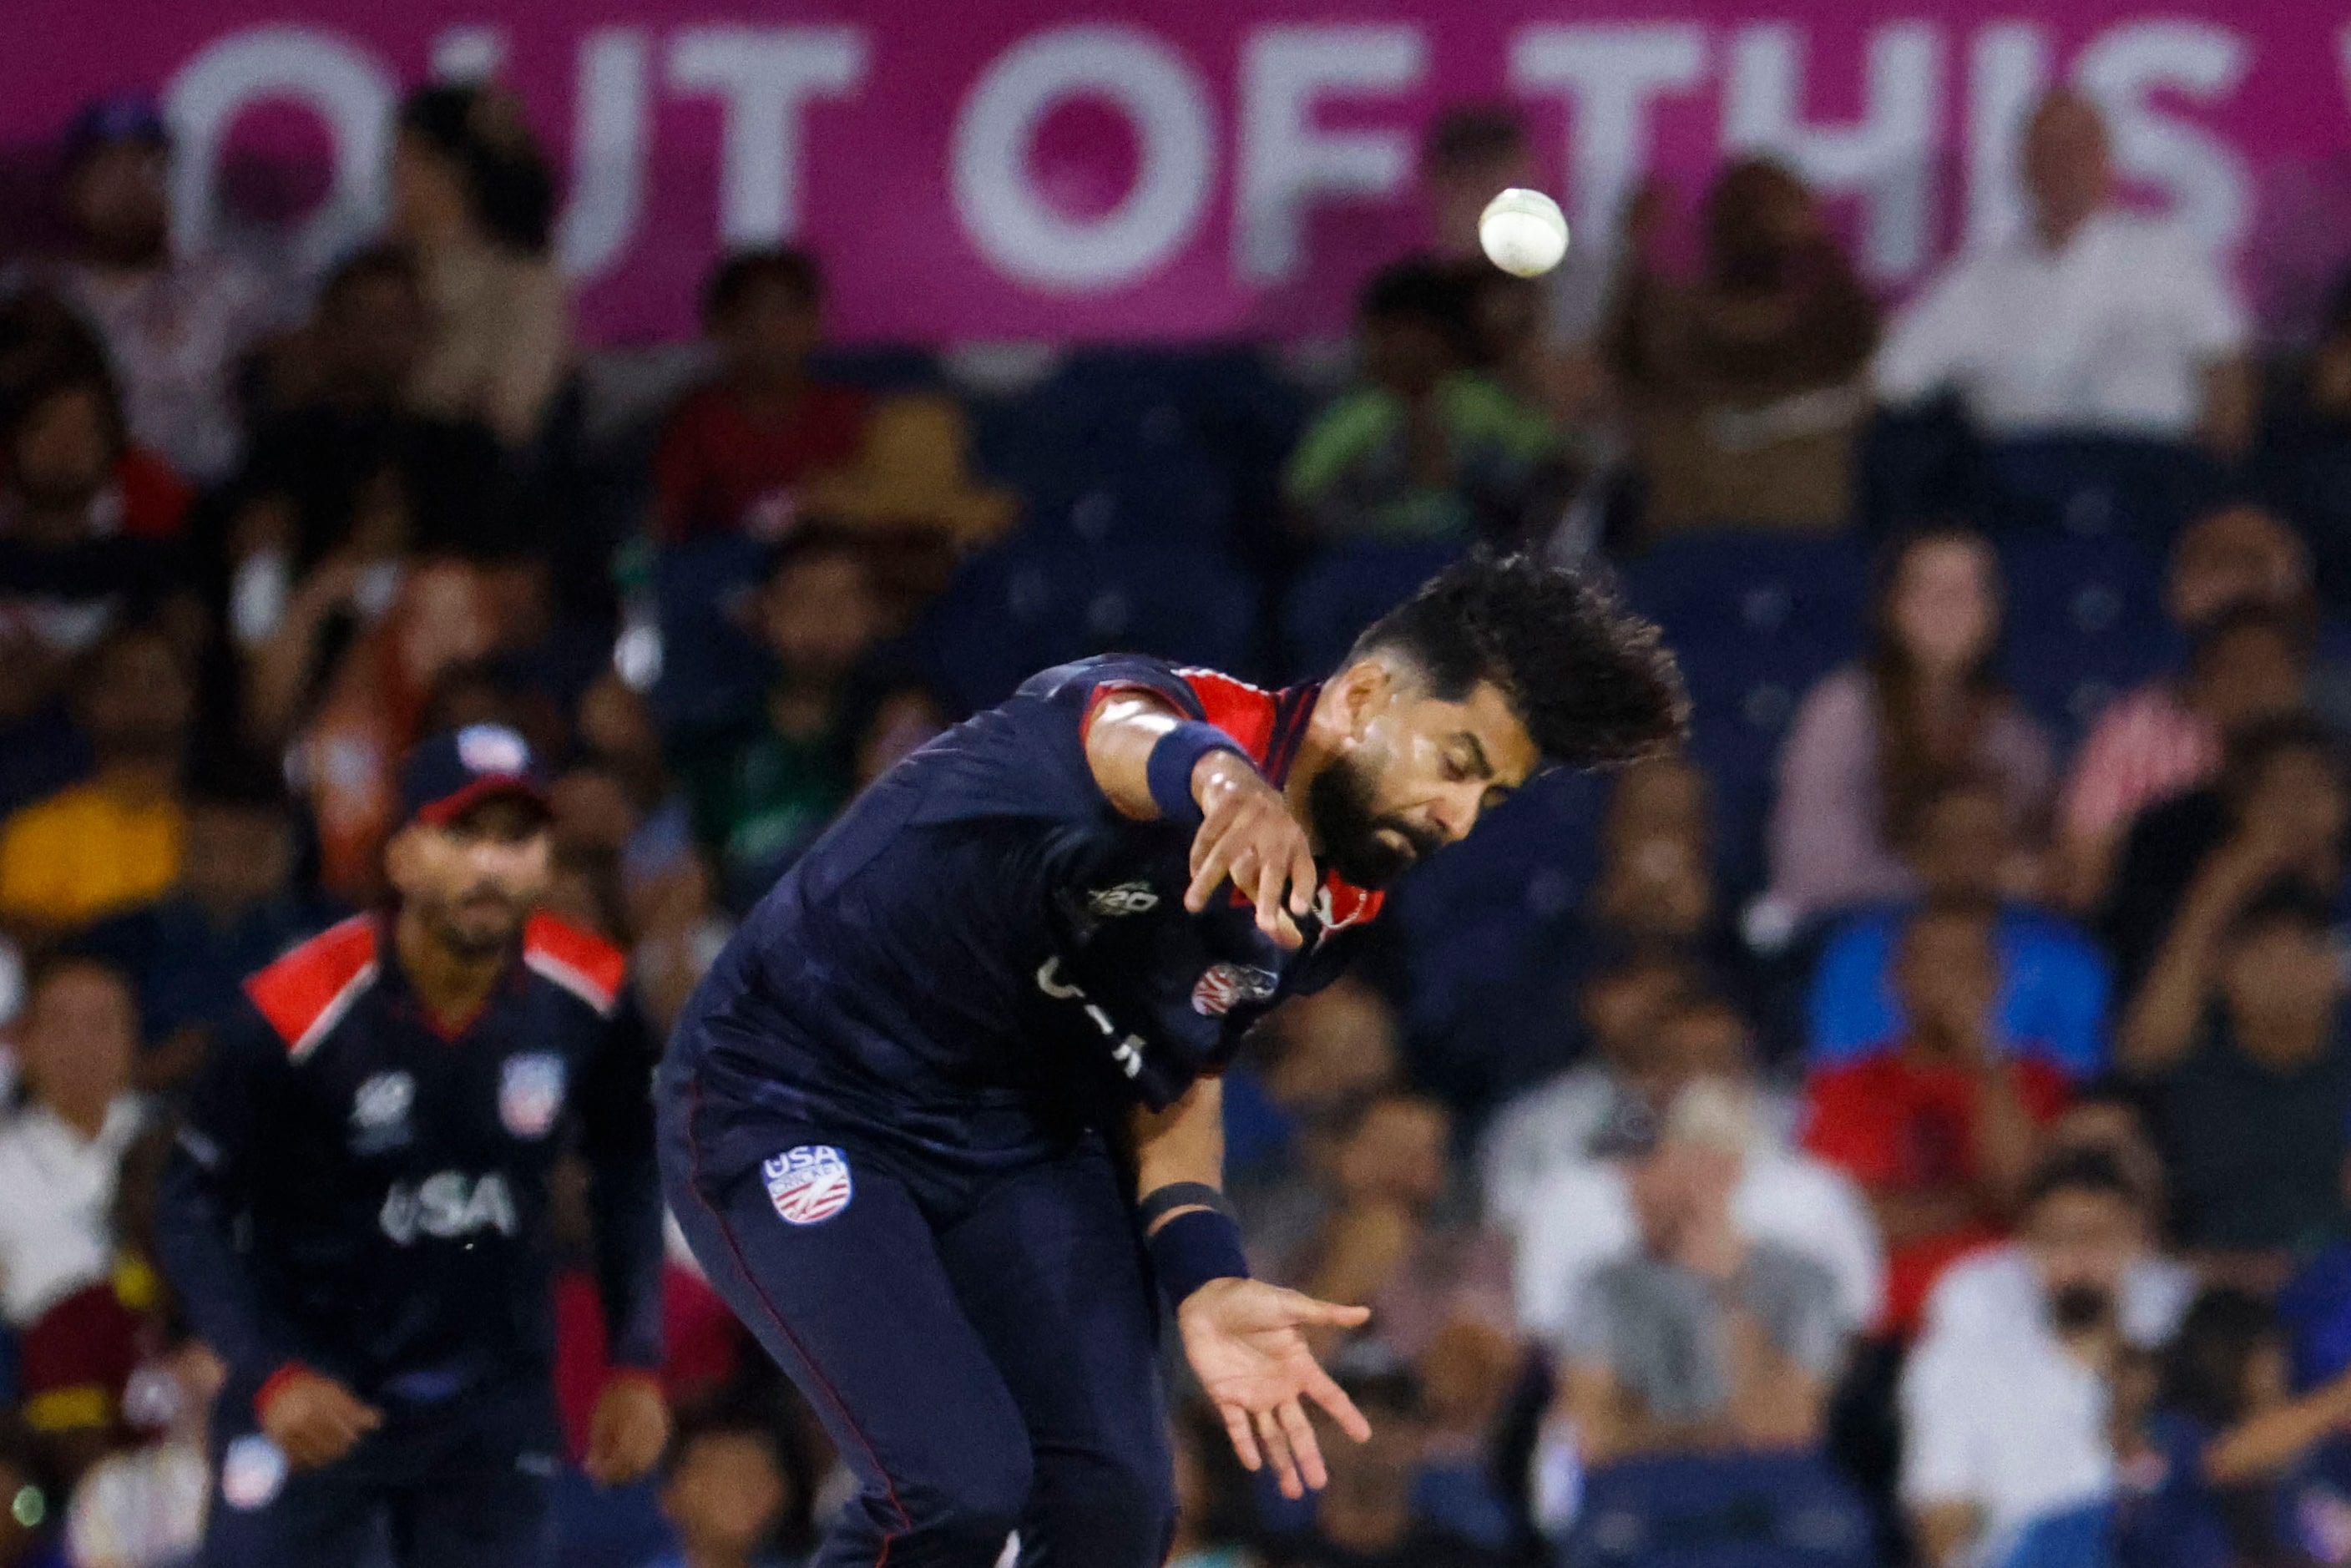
(736, 451)
(1939, 1127)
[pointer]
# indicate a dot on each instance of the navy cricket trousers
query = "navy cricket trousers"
(460, 1483)
(982, 1350)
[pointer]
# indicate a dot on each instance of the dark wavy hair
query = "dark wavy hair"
(1912, 769)
(507, 177)
(1593, 683)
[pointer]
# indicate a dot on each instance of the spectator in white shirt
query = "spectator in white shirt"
(179, 327)
(61, 1152)
(2090, 320)
(2005, 1399)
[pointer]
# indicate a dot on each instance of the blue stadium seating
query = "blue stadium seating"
(1345, 588)
(2085, 621)
(711, 667)
(1754, 1510)
(1755, 619)
(2098, 485)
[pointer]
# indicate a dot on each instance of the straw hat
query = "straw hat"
(910, 472)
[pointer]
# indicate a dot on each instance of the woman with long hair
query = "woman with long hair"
(474, 200)
(1877, 740)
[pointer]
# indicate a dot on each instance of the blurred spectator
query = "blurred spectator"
(114, 840)
(143, 1506)
(2281, 797)
(41, 337)
(2250, 1093)
(1567, 1121)
(1423, 449)
(1580, 1214)
(1937, 1125)
(2004, 1400)
(62, 1148)
(736, 453)
(729, 1492)
(1656, 885)
(472, 197)
(1875, 742)
(2228, 1449)
(764, 788)
(1744, 387)
(67, 572)
(408, 630)
(1386, 1238)
(1211, 1502)
(1365, 1518)
(2165, 737)
(2054, 982)
(2091, 321)
(233, 908)
(178, 328)
(1703, 1339)
(347, 449)
(1534, 335)
(1310, 1068)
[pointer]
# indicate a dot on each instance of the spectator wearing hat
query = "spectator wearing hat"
(474, 200)
(179, 327)
(736, 453)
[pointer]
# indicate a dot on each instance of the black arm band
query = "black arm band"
(1174, 757)
(1175, 1195)
(1195, 1246)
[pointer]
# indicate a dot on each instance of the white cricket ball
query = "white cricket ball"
(1523, 231)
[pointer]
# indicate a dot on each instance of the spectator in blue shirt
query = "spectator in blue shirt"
(2229, 1450)
(2054, 982)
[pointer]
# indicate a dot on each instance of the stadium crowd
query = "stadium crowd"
(1911, 1126)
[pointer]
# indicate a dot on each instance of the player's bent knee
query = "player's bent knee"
(977, 1510)
(1114, 1513)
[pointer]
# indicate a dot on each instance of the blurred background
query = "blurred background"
(1908, 1128)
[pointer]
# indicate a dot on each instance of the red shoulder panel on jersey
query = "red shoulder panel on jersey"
(304, 994)
(1241, 710)
(579, 960)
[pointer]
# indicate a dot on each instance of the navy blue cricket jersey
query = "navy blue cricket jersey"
(356, 1191)
(983, 956)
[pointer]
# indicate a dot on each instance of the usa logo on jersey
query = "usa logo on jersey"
(1226, 986)
(808, 1184)
(530, 1093)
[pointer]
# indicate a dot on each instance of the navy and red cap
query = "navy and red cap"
(450, 774)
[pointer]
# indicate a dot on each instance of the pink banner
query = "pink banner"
(1020, 169)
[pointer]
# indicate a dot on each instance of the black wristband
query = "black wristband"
(1175, 1195)
(1173, 759)
(1194, 1248)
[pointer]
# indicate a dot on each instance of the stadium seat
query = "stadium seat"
(710, 666)
(1755, 619)
(1753, 1510)
(1345, 588)
(2097, 485)
(2085, 621)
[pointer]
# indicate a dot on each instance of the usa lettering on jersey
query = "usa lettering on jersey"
(808, 1184)
(449, 1205)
